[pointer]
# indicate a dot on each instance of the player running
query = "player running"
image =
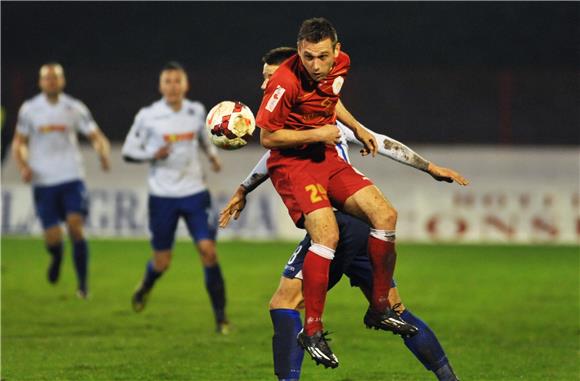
(351, 256)
(168, 135)
(297, 118)
(46, 152)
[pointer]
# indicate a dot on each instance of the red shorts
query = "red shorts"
(313, 178)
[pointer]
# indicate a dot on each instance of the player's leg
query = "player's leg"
(323, 230)
(74, 201)
(163, 218)
(369, 203)
(424, 345)
(74, 223)
(202, 225)
(46, 205)
(287, 325)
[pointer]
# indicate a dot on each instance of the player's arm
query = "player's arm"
(237, 202)
(210, 151)
(20, 155)
(284, 138)
(397, 151)
(135, 148)
(368, 141)
(102, 146)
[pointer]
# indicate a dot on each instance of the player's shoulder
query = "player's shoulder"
(194, 108)
(342, 62)
(73, 103)
(30, 103)
(151, 110)
(288, 72)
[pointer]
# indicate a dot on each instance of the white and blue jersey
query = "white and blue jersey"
(51, 130)
(177, 186)
(54, 157)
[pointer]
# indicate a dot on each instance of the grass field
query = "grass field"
(501, 313)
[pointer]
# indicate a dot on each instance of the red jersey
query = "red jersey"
(294, 101)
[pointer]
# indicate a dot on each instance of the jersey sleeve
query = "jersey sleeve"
(24, 124)
(135, 147)
(258, 175)
(85, 123)
(279, 98)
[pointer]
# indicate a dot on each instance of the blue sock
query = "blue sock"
(427, 349)
(288, 354)
(150, 276)
(214, 283)
(55, 252)
(81, 262)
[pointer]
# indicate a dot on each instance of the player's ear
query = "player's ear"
(336, 49)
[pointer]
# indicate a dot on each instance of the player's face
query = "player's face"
(267, 72)
(318, 58)
(173, 85)
(51, 80)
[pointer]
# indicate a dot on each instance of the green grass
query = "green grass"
(500, 312)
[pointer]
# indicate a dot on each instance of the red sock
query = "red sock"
(383, 257)
(314, 288)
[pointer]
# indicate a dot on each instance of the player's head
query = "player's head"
(272, 60)
(318, 47)
(173, 83)
(51, 79)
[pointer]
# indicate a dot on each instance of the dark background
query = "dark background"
(476, 73)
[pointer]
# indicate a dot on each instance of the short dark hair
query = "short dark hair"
(173, 65)
(317, 29)
(278, 55)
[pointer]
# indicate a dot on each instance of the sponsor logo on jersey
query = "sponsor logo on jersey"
(275, 98)
(52, 128)
(337, 85)
(173, 138)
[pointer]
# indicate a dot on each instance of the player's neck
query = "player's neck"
(52, 98)
(175, 106)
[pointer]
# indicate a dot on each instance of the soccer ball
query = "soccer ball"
(230, 125)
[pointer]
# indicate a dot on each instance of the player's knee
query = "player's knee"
(329, 240)
(207, 252)
(161, 262)
(283, 300)
(386, 219)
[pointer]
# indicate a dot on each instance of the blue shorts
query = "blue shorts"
(350, 258)
(54, 202)
(164, 213)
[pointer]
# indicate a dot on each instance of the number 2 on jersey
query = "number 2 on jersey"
(317, 192)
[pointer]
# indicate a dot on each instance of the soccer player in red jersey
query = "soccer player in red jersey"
(297, 118)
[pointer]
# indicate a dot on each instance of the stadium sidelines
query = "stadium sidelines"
(517, 195)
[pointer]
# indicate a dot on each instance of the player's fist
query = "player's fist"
(105, 163)
(329, 134)
(369, 142)
(216, 164)
(162, 152)
(26, 174)
(234, 207)
(446, 174)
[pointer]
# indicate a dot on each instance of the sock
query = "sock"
(315, 285)
(381, 251)
(150, 277)
(214, 283)
(55, 252)
(288, 354)
(81, 262)
(427, 349)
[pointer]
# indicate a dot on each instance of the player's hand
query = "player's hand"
(105, 163)
(163, 152)
(446, 174)
(216, 164)
(26, 174)
(369, 142)
(234, 207)
(329, 134)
